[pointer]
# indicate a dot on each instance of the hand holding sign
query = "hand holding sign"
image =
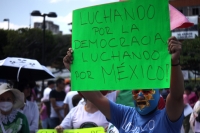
(67, 60)
(120, 46)
(174, 48)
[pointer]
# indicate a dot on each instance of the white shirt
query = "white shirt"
(53, 112)
(79, 118)
(112, 129)
(112, 96)
(31, 112)
(68, 99)
(46, 92)
(192, 118)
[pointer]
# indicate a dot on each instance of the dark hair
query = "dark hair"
(59, 80)
(75, 99)
(188, 88)
(50, 82)
(21, 86)
(32, 84)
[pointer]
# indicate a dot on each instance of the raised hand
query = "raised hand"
(174, 47)
(67, 60)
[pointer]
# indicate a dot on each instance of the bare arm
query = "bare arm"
(174, 104)
(95, 97)
(66, 109)
(41, 110)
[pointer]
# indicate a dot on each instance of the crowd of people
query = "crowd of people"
(136, 111)
(61, 108)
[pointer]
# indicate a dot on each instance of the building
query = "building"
(187, 7)
(49, 26)
(191, 9)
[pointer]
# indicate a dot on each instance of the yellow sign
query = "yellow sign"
(84, 130)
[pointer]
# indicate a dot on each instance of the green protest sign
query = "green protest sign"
(85, 130)
(121, 46)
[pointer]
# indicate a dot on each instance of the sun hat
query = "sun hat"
(19, 97)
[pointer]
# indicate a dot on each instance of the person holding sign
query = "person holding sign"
(145, 117)
(83, 116)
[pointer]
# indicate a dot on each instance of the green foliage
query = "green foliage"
(190, 57)
(28, 43)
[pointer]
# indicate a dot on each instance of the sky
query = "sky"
(18, 11)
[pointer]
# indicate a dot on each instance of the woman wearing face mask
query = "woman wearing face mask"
(11, 121)
(30, 109)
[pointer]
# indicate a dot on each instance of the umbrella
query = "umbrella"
(14, 68)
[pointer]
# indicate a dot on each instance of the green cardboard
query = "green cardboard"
(121, 46)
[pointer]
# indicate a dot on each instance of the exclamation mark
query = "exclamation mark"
(167, 68)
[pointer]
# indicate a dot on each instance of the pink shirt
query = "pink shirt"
(191, 99)
(43, 115)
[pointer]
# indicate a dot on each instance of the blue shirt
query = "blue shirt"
(128, 120)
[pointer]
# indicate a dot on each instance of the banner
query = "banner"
(85, 130)
(187, 33)
(121, 46)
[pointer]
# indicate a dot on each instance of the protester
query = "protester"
(190, 98)
(145, 116)
(46, 104)
(34, 91)
(44, 114)
(12, 121)
(57, 107)
(195, 116)
(50, 87)
(30, 109)
(67, 85)
(75, 100)
(68, 101)
(83, 116)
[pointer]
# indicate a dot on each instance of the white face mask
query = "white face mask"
(6, 106)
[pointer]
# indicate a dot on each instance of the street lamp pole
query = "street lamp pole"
(43, 49)
(53, 15)
(6, 19)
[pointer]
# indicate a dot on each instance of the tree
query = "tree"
(27, 43)
(190, 57)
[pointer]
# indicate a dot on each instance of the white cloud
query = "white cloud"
(93, 0)
(55, 1)
(4, 25)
